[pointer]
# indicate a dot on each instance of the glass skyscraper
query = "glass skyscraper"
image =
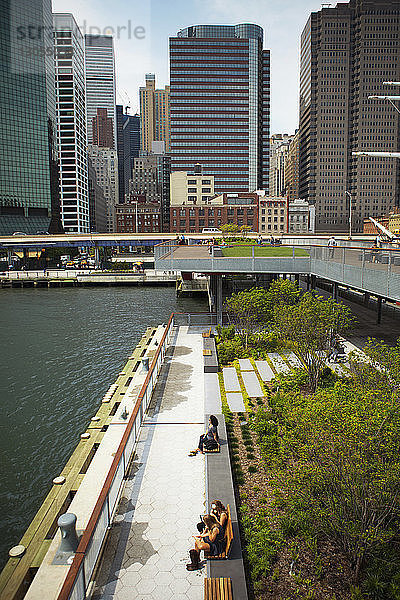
(29, 196)
(100, 80)
(219, 104)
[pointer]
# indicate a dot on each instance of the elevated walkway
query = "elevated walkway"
(369, 270)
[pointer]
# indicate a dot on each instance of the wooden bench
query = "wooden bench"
(228, 539)
(207, 334)
(217, 588)
(218, 449)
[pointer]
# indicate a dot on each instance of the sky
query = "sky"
(141, 30)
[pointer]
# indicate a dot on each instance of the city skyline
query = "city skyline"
(148, 51)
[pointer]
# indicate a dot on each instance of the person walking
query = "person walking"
(331, 245)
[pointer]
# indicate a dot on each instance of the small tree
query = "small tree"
(245, 229)
(248, 310)
(310, 326)
(229, 229)
(282, 291)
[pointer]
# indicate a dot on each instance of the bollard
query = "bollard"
(69, 538)
(145, 363)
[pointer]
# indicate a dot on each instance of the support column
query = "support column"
(218, 300)
(366, 298)
(335, 291)
(96, 256)
(313, 282)
(297, 278)
(9, 256)
(308, 282)
(212, 293)
(379, 314)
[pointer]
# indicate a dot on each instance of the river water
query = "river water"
(60, 351)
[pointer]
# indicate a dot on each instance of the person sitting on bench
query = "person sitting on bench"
(212, 541)
(218, 511)
(208, 440)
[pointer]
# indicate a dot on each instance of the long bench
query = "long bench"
(218, 588)
(210, 355)
(228, 540)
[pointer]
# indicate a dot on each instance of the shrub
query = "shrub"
(263, 543)
(253, 469)
(228, 350)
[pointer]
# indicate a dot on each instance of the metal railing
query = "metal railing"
(375, 270)
(87, 554)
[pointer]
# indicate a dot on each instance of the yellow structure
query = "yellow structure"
(154, 115)
(394, 222)
(191, 188)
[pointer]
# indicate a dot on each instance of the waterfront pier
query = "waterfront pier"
(140, 495)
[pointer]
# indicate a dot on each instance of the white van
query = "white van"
(212, 230)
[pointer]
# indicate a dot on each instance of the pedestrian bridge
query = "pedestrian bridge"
(375, 271)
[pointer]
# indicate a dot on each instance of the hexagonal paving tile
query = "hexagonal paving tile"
(146, 572)
(165, 564)
(180, 586)
(162, 592)
(145, 586)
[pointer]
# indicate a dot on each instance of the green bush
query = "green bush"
(228, 350)
(253, 469)
(225, 333)
(263, 543)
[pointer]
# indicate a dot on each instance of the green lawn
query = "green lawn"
(266, 251)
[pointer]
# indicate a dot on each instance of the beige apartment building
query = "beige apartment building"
(191, 188)
(154, 115)
(272, 215)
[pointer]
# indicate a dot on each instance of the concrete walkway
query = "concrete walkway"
(148, 545)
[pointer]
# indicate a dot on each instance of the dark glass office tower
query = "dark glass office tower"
(29, 192)
(347, 53)
(128, 145)
(219, 104)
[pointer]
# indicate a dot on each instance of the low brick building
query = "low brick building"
(239, 208)
(138, 216)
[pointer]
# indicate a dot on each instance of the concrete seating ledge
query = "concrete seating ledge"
(219, 486)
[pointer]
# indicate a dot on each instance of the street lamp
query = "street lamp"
(384, 154)
(389, 99)
(350, 213)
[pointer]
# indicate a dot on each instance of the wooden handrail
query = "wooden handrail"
(87, 534)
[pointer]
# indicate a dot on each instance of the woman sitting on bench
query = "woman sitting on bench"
(212, 541)
(218, 511)
(210, 439)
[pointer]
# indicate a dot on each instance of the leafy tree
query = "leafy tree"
(248, 310)
(229, 228)
(311, 326)
(282, 291)
(245, 229)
